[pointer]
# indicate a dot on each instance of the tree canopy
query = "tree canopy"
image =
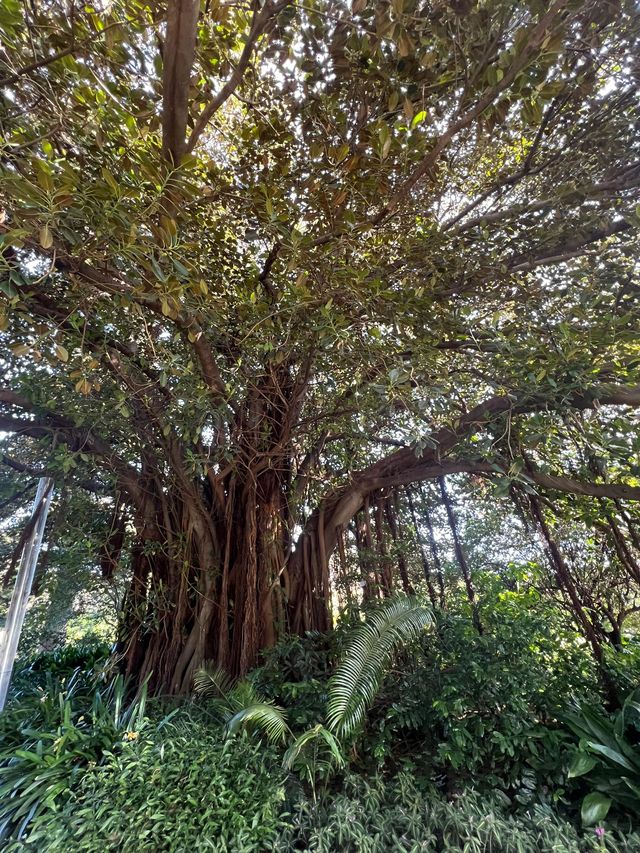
(262, 261)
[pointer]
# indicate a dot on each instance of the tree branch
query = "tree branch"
(261, 20)
(177, 60)
(527, 54)
(77, 439)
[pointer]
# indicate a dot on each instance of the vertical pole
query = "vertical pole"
(17, 608)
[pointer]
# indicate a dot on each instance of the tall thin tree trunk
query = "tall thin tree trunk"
(392, 513)
(426, 568)
(437, 563)
(461, 556)
(386, 572)
(566, 583)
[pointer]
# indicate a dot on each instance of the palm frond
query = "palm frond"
(358, 677)
(243, 695)
(300, 745)
(269, 719)
(212, 681)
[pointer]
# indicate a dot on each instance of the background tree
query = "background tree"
(261, 262)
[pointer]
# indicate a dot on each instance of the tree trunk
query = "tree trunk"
(395, 526)
(211, 583)
(461, 556)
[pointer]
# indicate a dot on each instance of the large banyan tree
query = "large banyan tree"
(262, 261)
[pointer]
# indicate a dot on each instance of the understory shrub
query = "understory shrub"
(295, 675)
(50, 737)
(465, 709)
(608, 758)
(177, 788)
(82, 660)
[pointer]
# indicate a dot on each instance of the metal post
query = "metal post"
(17, 608)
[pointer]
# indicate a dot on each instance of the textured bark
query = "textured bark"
(208, 583)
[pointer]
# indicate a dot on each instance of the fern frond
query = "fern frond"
(269, 719)
(212, 681)
(358, 677)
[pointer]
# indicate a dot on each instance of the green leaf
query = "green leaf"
(581, 764)
(595, 808)
(358, 678)
(271, 719)
(46, 237)
(418, 118)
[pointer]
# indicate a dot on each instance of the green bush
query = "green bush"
(82, 660)
(295, 675)
(51, 736)
(379, 816)
(608, 756)
(178, 788)
(482, 710)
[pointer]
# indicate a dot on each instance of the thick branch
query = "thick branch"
(403, 467)
(178, 55)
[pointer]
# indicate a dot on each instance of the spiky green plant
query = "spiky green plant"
(317, 752)
(314, 754)
(358, 677)
(212, 682)
(239, 705)
(264, 716)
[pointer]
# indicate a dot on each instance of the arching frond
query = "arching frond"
(359, 675)
(317, 736)
(243, 696)
(212, 681)
(270, 719)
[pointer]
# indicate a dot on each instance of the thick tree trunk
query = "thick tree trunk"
(212, 585)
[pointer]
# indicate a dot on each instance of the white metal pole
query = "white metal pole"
(17, 608)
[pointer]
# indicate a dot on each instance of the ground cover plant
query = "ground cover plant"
(358, 768)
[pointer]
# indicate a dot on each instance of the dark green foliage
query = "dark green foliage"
(60, 662)
(295, 674)
(378, 816)
(481, 710)
(239, 705)
(50, 738)
(623, 665)
(178, 788)
(608, 756)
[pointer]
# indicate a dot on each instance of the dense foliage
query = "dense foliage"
(465, 748)
(174, 789)
(263, 267)
(303, 306)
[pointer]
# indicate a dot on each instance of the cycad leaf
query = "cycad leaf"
(358, 677)
(270, 719)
